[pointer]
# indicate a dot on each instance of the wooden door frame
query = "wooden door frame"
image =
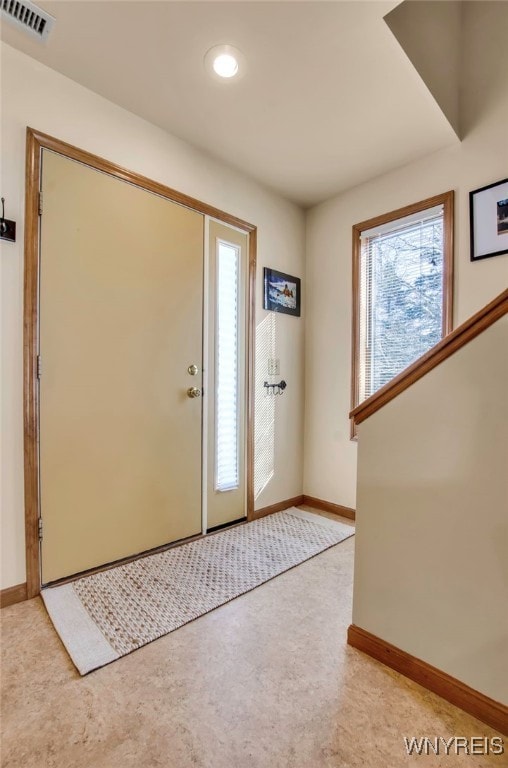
(35, 143)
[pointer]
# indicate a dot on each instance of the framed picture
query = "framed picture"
(488, 219)
(282, 292)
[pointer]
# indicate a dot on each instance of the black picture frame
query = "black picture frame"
(282, 292)
(488, 220)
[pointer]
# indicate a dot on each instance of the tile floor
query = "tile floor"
(266, 681)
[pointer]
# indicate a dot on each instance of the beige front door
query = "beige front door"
(121, 295)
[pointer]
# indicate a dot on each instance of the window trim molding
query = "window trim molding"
(446, 199)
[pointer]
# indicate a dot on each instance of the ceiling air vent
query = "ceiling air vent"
(28, 16)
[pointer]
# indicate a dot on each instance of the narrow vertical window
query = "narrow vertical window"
(226, 368)
(402, 265)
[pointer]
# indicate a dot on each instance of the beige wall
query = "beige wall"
(39, 97)
(429, 31)
(482, 157)
(431, 558)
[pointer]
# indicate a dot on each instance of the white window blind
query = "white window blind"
(226, 368)
(401, 296)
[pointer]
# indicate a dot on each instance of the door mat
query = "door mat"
(107, 615)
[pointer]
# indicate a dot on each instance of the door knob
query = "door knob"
(193, 370)
(193, 392)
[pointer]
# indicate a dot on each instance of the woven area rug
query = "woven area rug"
(107, 615)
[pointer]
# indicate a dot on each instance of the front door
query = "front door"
(121, 324)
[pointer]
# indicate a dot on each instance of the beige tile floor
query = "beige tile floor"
(266, 681)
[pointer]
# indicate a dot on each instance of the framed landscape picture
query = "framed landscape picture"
(282, 292)
(488, 212)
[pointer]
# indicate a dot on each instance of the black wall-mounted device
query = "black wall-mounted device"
(7, 227)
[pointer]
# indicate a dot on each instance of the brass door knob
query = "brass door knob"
(193, 392)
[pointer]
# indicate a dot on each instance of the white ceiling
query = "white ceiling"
(328, 99)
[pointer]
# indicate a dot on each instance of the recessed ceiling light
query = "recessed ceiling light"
(225, 65)
(224, 62)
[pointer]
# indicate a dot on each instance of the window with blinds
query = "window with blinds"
(226, 368)
(402, 306)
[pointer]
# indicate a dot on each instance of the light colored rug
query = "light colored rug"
(107, 615)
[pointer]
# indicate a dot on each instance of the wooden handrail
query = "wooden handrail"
(441, 351)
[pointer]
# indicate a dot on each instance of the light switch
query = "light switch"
(273, 366)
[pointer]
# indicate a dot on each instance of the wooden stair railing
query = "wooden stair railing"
(441, 351)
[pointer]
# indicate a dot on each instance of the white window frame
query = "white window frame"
(220, 487)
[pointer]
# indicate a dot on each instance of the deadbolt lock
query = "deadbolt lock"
(193, 370)
(193, 392)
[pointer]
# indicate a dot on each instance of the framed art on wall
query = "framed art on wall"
(488, 219)
(282, 292)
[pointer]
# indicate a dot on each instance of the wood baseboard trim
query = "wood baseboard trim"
(473, 702)
(327, 506)
(12, 595)
(281, 505)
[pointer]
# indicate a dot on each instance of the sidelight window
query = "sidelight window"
(227, 417)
